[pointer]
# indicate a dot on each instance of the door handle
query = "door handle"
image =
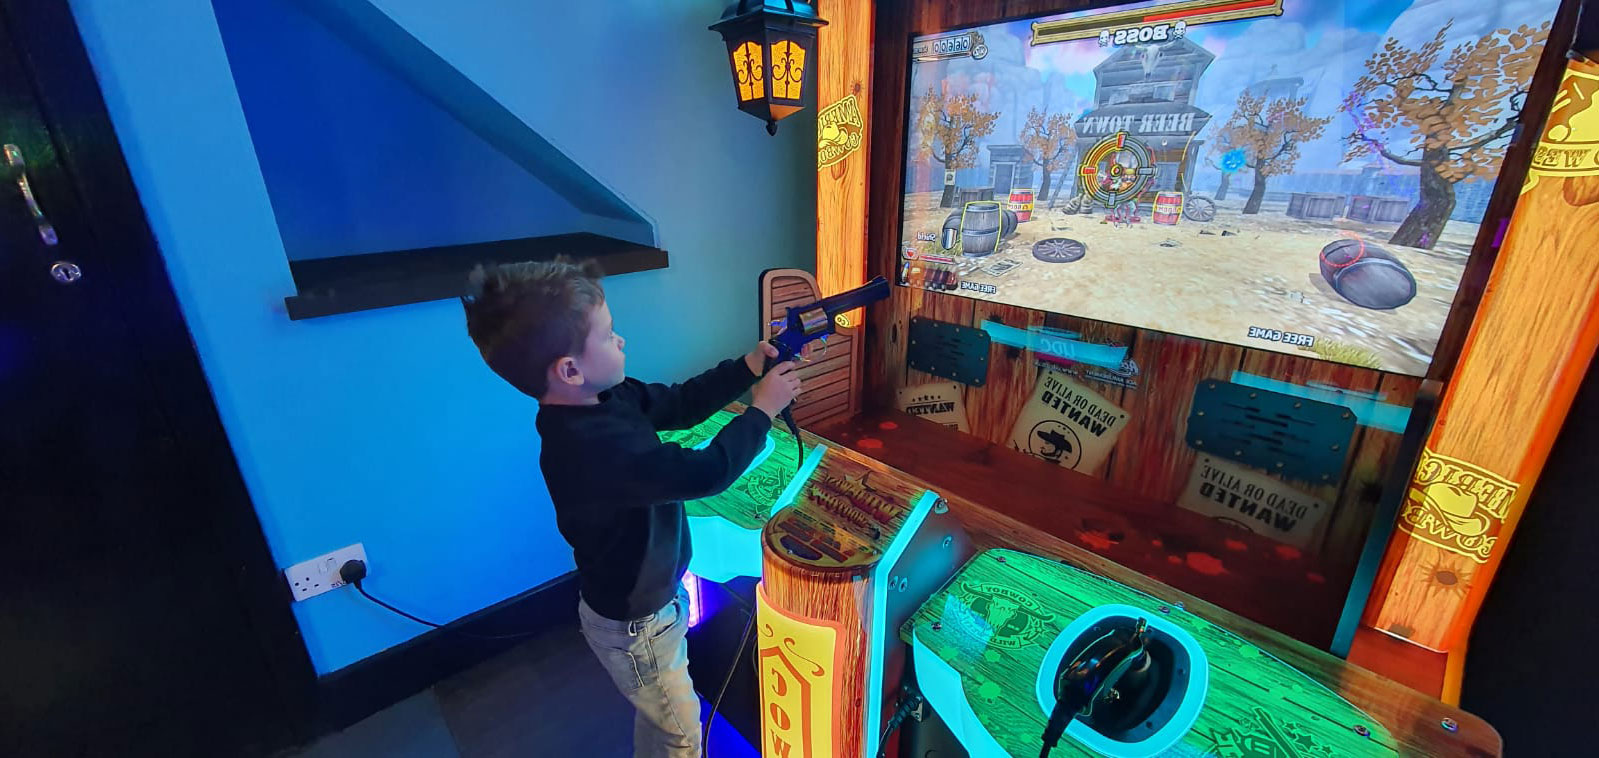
(47, 232)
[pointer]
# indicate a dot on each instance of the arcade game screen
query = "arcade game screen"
(1301, 176)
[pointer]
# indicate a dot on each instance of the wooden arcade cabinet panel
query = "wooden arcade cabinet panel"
(831, 376)
(994, 622)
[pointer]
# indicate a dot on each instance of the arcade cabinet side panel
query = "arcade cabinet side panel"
(1527, 353)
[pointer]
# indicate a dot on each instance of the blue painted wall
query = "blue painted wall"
(384, 427)
(355, 159)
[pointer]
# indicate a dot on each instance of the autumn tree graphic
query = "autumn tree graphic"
(950, 126)
(1451, 121)
(1048, 139)
(1270, 132)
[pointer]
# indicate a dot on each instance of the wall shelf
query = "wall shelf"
(350, 283)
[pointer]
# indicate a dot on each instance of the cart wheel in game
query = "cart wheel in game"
(1059, 250)
(1200, 208)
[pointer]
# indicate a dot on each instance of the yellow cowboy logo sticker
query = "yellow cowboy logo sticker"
(839, 132)
(1569, 145)
(1456, 506)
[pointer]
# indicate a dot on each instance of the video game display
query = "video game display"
(1304, 176)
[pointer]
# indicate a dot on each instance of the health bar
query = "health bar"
(1191, 13)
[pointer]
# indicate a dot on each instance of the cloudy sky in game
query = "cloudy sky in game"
(1323, 42)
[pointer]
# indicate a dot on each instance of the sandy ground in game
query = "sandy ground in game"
(1265, 274)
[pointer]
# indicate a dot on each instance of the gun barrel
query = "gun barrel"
(864, 295)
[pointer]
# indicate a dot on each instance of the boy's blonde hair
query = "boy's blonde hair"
(523, 317)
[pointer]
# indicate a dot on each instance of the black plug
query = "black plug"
(353, 571)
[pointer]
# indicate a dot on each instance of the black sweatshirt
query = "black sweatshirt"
(618, 490)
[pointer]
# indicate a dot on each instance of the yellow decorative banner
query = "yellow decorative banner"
(1569, 145)
(1455, 506)
(799, 658)
(840, 130)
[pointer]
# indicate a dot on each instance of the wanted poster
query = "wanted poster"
(1068, 424)
(939, 402)
(1228, 492)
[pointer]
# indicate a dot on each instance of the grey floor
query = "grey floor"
(547, 697)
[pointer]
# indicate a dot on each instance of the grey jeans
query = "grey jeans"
(647, 659)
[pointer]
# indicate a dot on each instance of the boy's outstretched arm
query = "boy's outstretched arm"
(645, 474)
(681, 406)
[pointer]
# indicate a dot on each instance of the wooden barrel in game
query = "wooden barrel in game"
(980, 228)
(1168, 208)
(1367, 275)
(1021, 201)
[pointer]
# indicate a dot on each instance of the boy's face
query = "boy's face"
(602, 364)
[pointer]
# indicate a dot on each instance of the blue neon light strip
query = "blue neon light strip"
(874, 673)
(1050, 342)
(1368, 411)
(726, 550)
(940, 683)
(812, 460)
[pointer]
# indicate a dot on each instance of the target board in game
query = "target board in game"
(1117, 170)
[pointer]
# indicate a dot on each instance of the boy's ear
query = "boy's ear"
(565, 371)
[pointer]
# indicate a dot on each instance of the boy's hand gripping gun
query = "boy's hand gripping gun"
(806, 323)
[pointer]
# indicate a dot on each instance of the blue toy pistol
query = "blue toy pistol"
(807, 323)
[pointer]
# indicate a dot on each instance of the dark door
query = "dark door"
(136, 609)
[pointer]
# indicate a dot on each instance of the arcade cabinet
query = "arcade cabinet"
(1225, 343)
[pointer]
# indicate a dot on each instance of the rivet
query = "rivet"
(1362, 731)
(1165, 609)
(937, 626)
(1450, 725)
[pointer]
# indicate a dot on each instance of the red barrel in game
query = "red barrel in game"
(1168, 208)
(1021, 201)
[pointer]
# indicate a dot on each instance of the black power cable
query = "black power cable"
(705, 741)
(354, 571)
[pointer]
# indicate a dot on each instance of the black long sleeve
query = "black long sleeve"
(618, 490)
(681, 406)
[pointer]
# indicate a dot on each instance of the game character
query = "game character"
(618, 490)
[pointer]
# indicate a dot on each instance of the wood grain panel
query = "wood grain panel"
(1526, 354)
(991, 410)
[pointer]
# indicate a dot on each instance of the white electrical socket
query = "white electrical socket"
(318, 575)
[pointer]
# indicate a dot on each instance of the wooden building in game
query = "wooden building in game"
(1147, 91)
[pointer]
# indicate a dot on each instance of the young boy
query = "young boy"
(618, 491)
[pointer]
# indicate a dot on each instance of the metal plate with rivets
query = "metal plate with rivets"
(1296, 438)
(948, 350)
